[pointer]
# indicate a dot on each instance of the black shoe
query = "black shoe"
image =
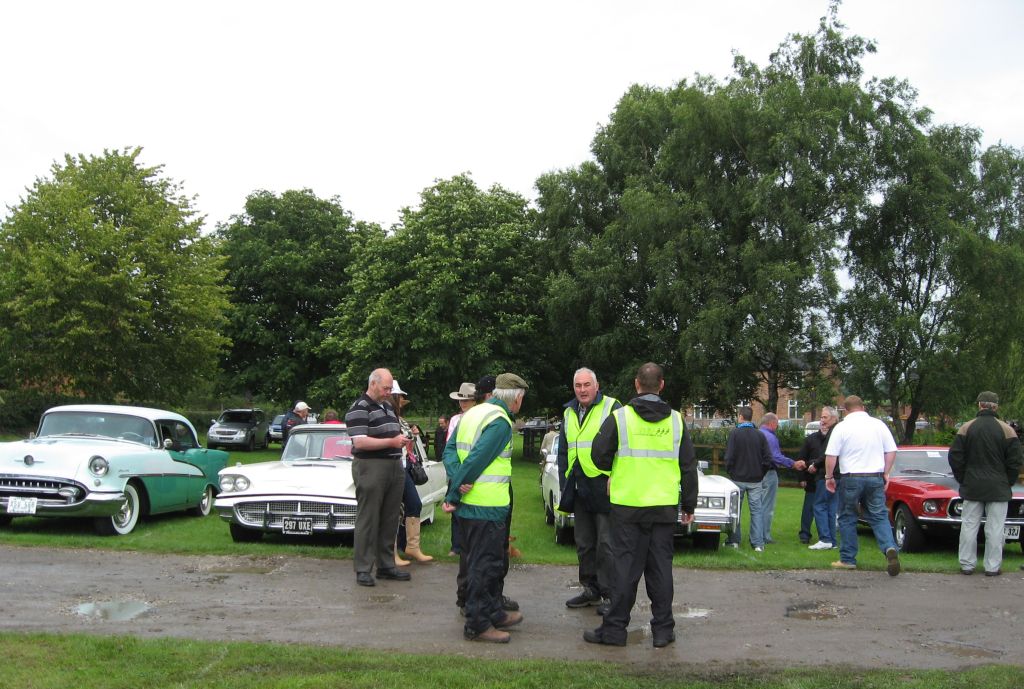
(603, 609)
(993, 574)
(588, 597)
(966, 572)
(596, 637)
(365, 579)
(393, 574)
(663, 641)
(892, 559)
(509, 605)
(805, 541)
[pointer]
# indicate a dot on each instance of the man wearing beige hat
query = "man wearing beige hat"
(480, 496)
(466, 397)
(985, 458)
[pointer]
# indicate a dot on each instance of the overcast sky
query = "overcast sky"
(373, 101)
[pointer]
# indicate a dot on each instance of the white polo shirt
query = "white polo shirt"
(860, 441)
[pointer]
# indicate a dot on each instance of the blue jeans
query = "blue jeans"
(870, 489)
(753, 492)
(770, 484)
(826, 505)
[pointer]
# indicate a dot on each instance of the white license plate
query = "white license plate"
(298, 526)
(1011, 531)
(21, 505)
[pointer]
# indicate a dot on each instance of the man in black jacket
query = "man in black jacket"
(747, 459)
(825, 504)
(985, 458)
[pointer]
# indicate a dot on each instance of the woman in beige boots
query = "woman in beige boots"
(411, 502)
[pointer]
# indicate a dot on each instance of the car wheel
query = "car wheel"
(909, 536)
(205, 505)
(707, 541)
(210, 446)
(266, 442)
(564, 535)
(549, 512)
(5, 520)
(240, 534)
(127, 517)
(251, 445)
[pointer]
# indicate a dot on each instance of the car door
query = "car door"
(185, 480)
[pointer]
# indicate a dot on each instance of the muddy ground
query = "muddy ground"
(725, 620)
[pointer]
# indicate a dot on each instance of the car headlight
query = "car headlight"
(98, 466)
(956, 508)
(702, 501)
(930, 506)
(233, 482)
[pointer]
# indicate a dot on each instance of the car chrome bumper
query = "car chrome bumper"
(93, 505)
(267, 512)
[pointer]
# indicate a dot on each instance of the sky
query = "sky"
(372, 102)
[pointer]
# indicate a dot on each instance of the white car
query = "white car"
(309, 490)
(110, 463)
(717, 511)
(811, 428)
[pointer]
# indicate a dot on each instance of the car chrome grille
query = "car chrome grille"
(326, 516)
(46, 490)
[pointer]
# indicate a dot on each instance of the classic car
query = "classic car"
(242, 428)
(110, 463)
(717, 511)
(924, 499)
(309, 490)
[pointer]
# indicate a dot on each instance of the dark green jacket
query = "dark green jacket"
(985, 458)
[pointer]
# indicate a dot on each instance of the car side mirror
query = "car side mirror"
(703, 465)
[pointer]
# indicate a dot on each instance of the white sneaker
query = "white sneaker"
(821, 545)
(758, 549)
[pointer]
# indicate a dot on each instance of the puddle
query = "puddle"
(815, 611)
(693, 614)
(642, 633)
(113, 611)
(384, 598)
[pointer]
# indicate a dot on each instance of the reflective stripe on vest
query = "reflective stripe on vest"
(645, 472)
(579, 441)
(491, 488)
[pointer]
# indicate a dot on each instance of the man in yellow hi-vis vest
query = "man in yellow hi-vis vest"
(584, 488)
(479, 493)
(652, 485)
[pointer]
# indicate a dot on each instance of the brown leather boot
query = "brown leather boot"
(412, 540)
(399, 562)
(492, 636)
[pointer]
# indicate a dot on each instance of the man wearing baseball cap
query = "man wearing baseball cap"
(985, 458)
(479, 494)
(295, 417)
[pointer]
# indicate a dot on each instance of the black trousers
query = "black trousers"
(640, 549)
(483, 547)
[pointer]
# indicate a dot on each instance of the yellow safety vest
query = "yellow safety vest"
(491, 488)
(645, 471)
(580, 439)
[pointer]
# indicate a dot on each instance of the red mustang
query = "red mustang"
(924, 500)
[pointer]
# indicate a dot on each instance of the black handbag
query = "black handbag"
(416, 472)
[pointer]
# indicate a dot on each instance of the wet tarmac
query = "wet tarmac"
(723, 619)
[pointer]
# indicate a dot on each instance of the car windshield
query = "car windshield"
(279, 419)
(103, 424)
(921, 463)
(334, 444)
(237, 416)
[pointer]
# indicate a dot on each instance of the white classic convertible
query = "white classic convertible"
(308, 491)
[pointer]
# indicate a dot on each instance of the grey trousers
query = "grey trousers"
(995, 517)
(379, 486)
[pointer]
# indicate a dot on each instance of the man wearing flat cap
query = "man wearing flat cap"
(985, 458)
(479, 494)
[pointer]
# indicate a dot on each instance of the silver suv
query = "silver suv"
(244, 428)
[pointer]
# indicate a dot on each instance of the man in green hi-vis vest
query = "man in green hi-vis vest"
(479, 494)
(584, 489)
(652, 485)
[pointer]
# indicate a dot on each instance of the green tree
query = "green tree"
(286, 258)
(449, 295)
(108, 291)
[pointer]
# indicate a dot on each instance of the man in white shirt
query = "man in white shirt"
(862, 449)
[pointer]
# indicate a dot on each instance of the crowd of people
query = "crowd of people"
(628, 474)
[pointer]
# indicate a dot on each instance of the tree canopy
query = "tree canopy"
(108, 291)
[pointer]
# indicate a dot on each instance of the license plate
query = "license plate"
(21, 505)
(1011, 531)
(298, 526)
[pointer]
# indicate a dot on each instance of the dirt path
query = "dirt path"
(724, 619)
